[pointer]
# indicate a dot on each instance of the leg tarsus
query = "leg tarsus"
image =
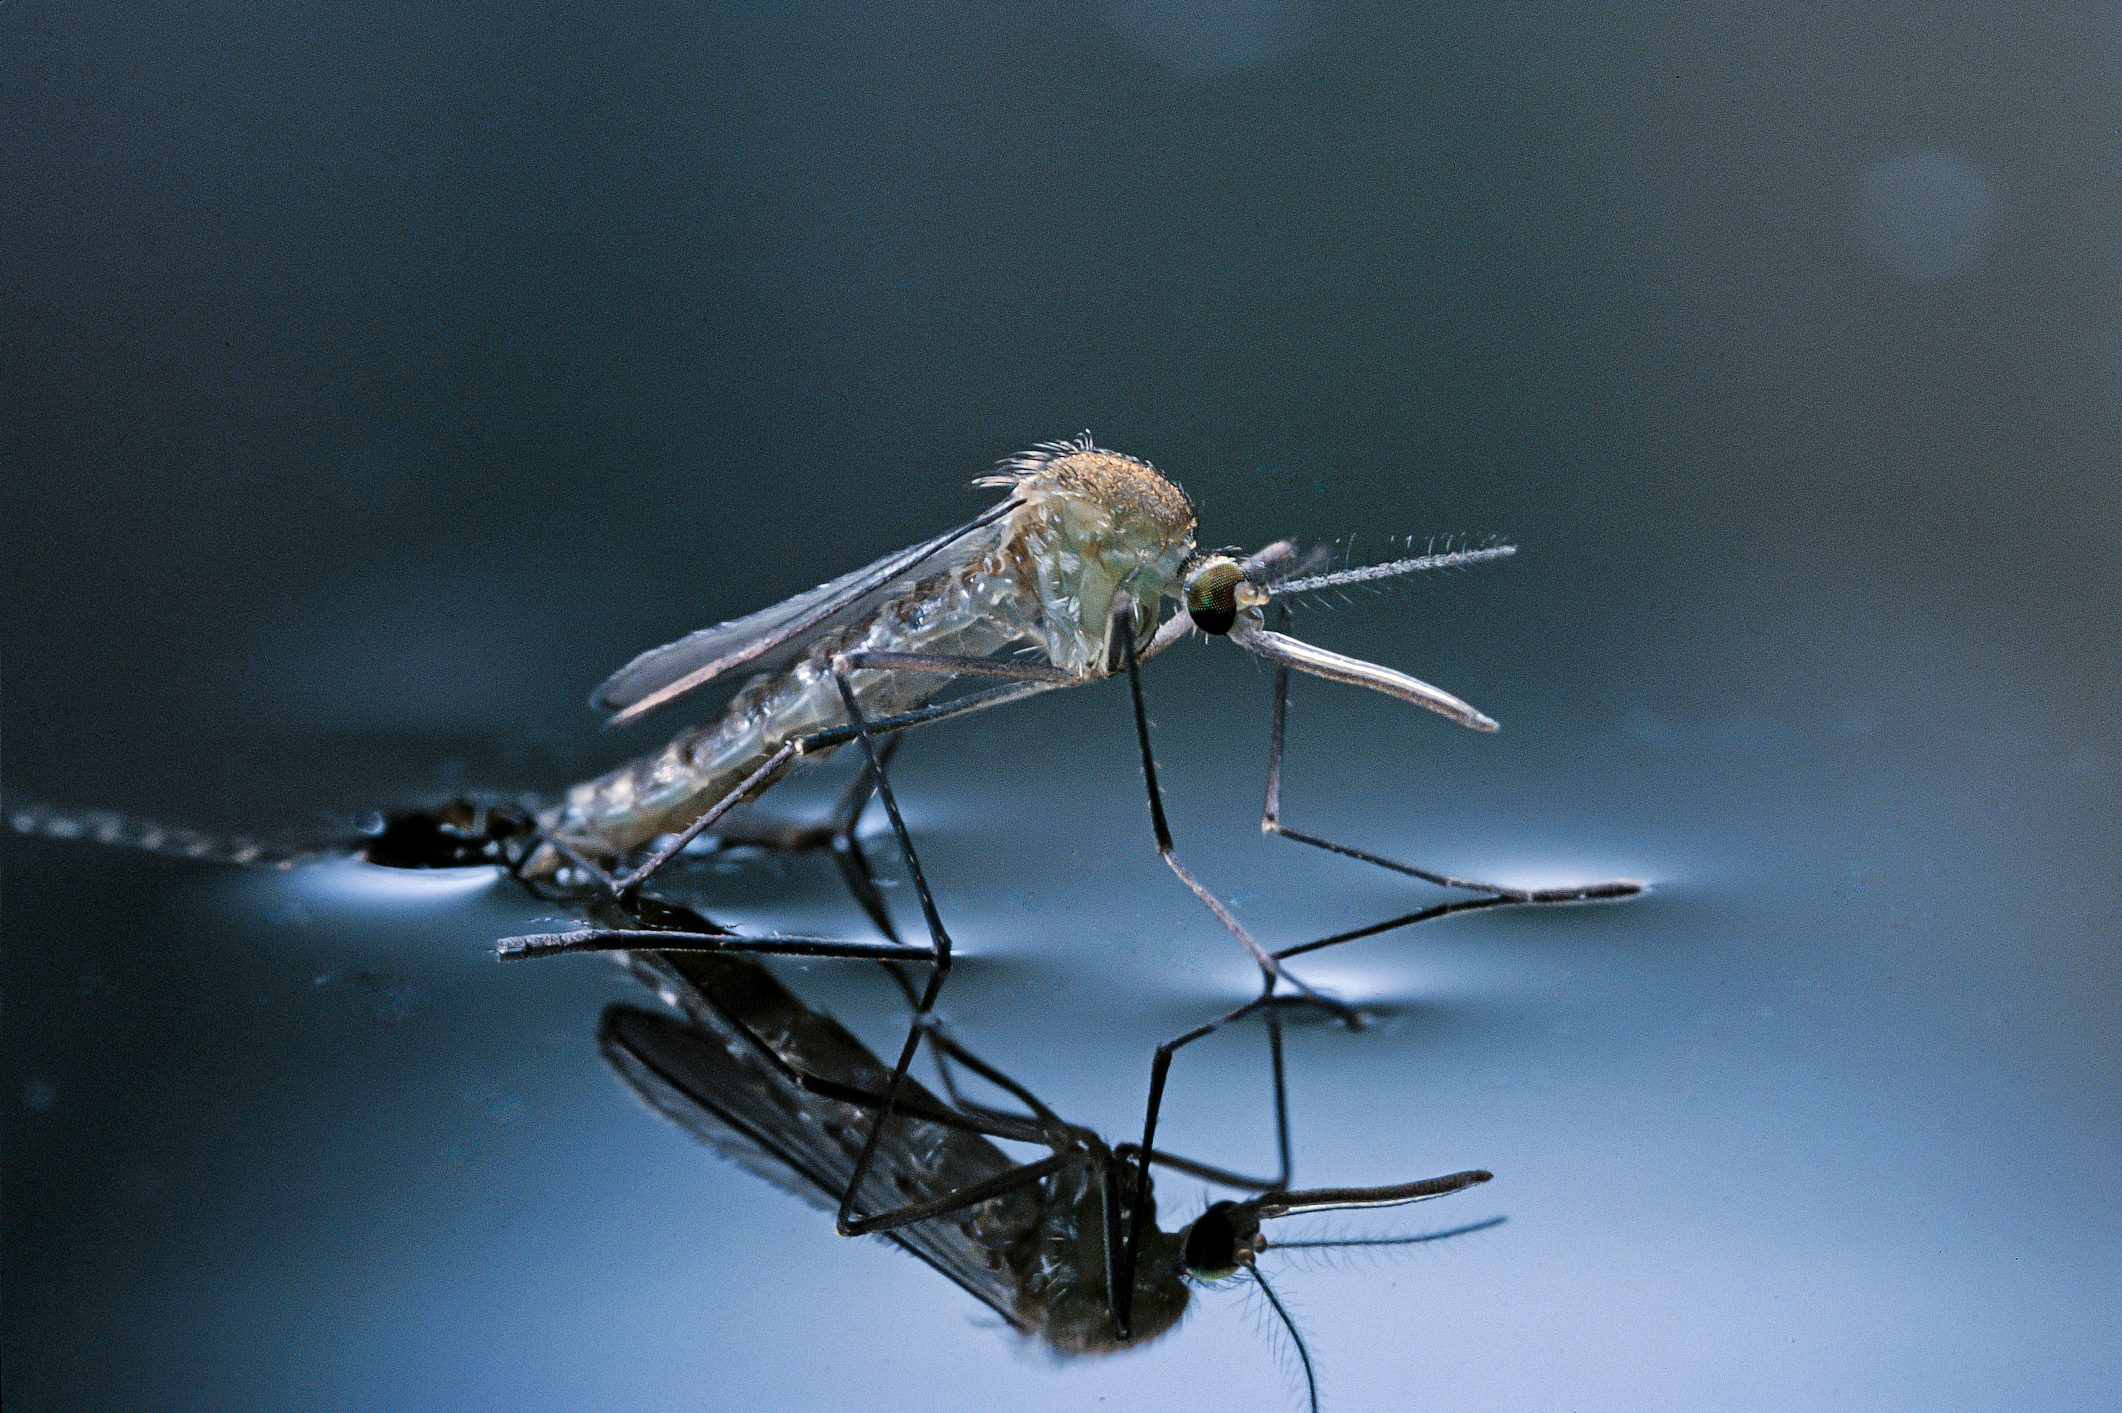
(1271, 823)
(1570, 893)
(1271, 970)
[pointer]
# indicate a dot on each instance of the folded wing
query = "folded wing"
(715, 1088)
(762, 641)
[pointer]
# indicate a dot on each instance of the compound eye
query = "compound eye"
(1212, 595)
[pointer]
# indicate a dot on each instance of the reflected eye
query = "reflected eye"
(1212, 1244)
(1212, 594)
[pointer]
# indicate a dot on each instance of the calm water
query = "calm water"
(378, 379)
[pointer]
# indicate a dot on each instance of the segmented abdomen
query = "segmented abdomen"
(973, 611)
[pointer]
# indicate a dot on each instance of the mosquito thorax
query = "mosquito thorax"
(1217, 590)
(1064, 1286)
(1221, 1240)
(1091, 525)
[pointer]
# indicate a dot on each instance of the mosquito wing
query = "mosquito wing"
(715, 1089)
(761, 641)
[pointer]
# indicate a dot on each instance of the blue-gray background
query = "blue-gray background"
(375, 377)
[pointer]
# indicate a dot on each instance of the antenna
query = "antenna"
(1393, 569)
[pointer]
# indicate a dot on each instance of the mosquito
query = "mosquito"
(1074, 570)
(1065, 1248)
(1087, 568)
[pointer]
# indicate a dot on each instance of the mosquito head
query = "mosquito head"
(1226, 1240)
(1227, 597)
(1218, 590)
(1222, 1239)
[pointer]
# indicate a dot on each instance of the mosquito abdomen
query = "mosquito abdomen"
(973, 611)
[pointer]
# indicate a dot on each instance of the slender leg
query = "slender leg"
(845, 1219)
(828, 829)
(1270, 970)
(848, 854)
(945, 1047)
(656, 939)
(861, 883)
(957, 1201)
(951, 665)
(1271, 823)
(942, 711)
(937, 953)
(1420, 915)
(1138, 1215)
(768, 771)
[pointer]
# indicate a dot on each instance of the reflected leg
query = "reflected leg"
(1122, 1262)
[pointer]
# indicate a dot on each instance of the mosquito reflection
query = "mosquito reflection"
(1064, 1247)
(1086, 570)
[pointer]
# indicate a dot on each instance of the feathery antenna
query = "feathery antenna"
(1447, 558)
(1304, 1356)
(1418, 1239)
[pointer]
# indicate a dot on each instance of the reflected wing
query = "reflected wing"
(762, 640)
(726, 1096)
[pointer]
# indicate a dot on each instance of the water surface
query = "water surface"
(382, 379)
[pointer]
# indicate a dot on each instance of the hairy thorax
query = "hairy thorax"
(1085, 527)
(1089, 525)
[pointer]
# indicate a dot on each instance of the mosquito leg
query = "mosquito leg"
(1270, 1007)
(829, 828)
(845, 1219)
(768, 771)
(1138, 1214)
(954, 666)
(1283, 1162)
(861, 882)
(1420, 915)
(970, 1196)
(831, 736)
(543, 838)
(656, 939)
(1271, 823)
(853, 862)
(846, 815)
(1270, 970)
(941, 1042)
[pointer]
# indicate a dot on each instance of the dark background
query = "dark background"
(374, 378)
